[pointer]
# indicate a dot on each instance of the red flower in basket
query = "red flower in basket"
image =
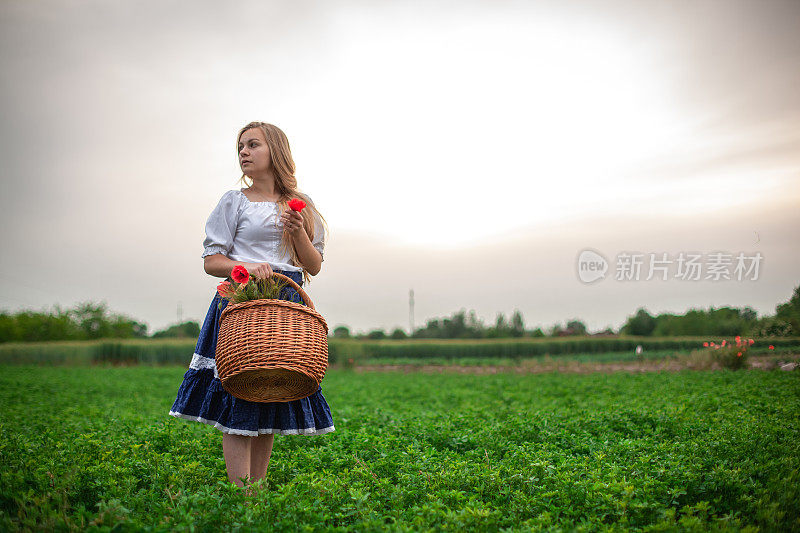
(296, 205)
(225, 288)
(240, 274)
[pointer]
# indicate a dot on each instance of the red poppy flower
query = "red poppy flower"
(224, 288)
(723, 342)
(752, 341)
(738, 338)
(771, 347)
(705, 345)
(739, 354)
(712, 344)
(240, 274)
(296, 205)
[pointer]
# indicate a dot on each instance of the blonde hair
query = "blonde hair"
(286, 185)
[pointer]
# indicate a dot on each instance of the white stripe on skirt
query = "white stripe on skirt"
(199, 362)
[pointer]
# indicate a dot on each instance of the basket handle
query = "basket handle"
(296, 287)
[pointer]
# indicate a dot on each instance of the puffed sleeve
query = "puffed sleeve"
(319, 233)
(221, 225)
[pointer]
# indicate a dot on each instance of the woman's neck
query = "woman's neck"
(264, 186)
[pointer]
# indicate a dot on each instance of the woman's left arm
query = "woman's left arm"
(308, 255)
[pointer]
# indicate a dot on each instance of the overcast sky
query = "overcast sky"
(467, 150)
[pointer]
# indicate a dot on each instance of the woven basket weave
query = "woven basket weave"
(272, 350)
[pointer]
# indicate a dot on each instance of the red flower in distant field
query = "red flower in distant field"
(705, 344)
(712, 344)
(752, 341)
(738, 338)
(224, 288)
(296, 205)
(771, 347)
(723, 342)
(240, 274)
(739, 354)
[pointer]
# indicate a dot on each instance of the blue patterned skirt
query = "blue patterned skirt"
(202, 398)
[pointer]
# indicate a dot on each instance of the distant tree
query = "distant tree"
(573, 327)
(576, 327)
(750, 314)
(86, 321)
(459, 325)
(785, 322)
(187, 329)
(608, 332)
(517, 328)
(475, 326)
(398, 334)
(433, 330)
(537, 333)
(724, 321)
(455, 327)
(789, 312)
(642, 323)
(91, 320)
(376, 334)
(771, 326)
(8, 328)
(501, 328)
(500, 323)
(341, 332)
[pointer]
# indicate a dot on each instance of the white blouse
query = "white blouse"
(251, 232)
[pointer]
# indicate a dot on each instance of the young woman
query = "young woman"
(253, 227)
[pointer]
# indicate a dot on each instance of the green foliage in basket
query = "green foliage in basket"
(251, 289)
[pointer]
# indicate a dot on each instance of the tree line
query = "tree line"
(722, 321)
(87, 321)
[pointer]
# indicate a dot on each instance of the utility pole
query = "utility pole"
(411, 311)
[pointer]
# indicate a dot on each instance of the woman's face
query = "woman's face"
(254, 156)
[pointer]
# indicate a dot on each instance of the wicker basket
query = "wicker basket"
(272, 350)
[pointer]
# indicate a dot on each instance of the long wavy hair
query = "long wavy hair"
(286, 185)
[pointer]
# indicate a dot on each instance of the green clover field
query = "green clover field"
(93, 448)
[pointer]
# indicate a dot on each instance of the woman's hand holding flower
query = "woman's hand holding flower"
(292, 222)
(259, 270)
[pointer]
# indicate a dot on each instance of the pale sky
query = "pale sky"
(467, 150)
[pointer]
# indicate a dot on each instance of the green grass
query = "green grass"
(178, 351)
(655, 355)
(610, 357)
(94, 448)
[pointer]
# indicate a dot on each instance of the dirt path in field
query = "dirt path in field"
(539, 367)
